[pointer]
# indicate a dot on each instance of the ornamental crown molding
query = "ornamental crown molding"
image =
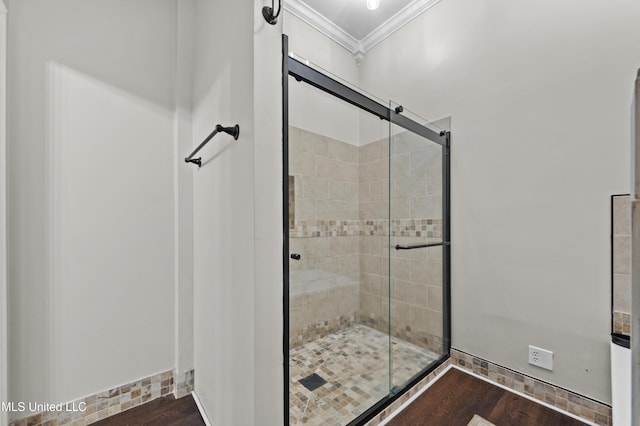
(397, 21)
(306, 13)
(358, 48)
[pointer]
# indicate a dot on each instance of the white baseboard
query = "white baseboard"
(207, 422)
(621, 384)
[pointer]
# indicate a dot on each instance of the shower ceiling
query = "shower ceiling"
(351, 24)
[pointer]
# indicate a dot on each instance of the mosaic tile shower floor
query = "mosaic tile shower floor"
(354, 362)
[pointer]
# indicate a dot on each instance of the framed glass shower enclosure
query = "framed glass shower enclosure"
(366, 251)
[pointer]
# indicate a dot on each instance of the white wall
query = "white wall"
(312, 109)
(108, 232)
(306, 103)
(183, 175)
(268, 389)
(539, 95)
(237, 215)
(91, 195)
(309, 44)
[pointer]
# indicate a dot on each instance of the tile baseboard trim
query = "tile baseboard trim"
(113, 401)
(184, 384)
(622, 323)
(577, 406)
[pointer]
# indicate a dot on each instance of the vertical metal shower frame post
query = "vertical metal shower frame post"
(285, 220)
(446, 237)
(635, 259)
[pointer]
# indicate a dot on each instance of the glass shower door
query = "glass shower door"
(416, 238)
(338, 294)
(366, 231)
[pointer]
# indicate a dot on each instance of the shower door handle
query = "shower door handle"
(295, 256)
(417, 246)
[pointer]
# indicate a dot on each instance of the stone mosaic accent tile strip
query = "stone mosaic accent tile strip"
(408, 395)
(105, 404)
(292, 202)
(185, 384)
(322, 329)
(622, 323)
(574, 403)
(431, 228)
(421, 339)
(325, 228)
(316, 331)
(354, 364)
(376, 228)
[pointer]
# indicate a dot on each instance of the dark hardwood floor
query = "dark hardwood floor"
(451, 401)
(457, 396)
(166, 411)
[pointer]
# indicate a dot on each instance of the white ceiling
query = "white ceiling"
(352, 25)
(354, 17)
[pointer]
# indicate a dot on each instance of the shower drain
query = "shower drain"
(312, 382)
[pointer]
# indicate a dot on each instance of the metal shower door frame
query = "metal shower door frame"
(309, 75)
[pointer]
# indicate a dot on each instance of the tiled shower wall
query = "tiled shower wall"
(374, 244)
(622, 265)
(340, 200)
(416, 212)
(324, 283)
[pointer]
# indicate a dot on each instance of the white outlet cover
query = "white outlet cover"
(542, 358)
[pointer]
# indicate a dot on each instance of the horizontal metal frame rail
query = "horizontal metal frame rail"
(302, 72)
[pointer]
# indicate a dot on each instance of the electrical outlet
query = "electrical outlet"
(541, 358)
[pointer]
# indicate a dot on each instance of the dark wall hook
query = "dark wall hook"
(268, 12)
